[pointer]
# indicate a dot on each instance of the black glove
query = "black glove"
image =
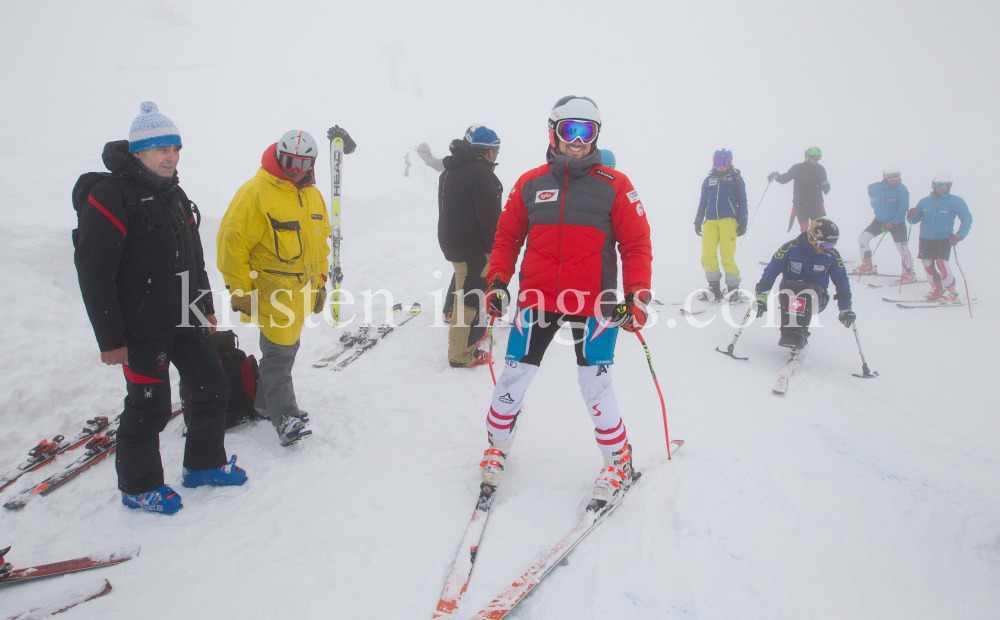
(497, 298)
(337, 132)
(697, 229)
(773, 176)
(847, 317)
(741, 230)
(760, 305)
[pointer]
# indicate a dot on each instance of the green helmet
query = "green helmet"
(813, 151)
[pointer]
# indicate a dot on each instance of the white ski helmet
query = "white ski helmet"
(890, 170)
(942, 177)
(298, 144)
(571, 106)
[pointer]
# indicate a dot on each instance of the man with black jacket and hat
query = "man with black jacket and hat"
(469, 196)
(142, 275)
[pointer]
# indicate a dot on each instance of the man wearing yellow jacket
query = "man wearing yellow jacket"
(272, 252)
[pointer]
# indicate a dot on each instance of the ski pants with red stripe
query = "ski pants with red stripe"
(147, 408)
(595, 381)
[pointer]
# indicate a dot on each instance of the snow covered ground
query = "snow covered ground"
(844, 498)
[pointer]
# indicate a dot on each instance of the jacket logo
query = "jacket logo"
(638, 209)
(713, 181)
(796, 267)
(317, 216)
(633, 196)
(547, 195)
(604, 174)
(819, 267)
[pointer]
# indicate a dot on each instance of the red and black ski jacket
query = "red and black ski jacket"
(131, 272)
(571, 213)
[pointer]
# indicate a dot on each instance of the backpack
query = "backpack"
(241, 370)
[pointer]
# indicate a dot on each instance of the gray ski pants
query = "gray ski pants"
(275, 393)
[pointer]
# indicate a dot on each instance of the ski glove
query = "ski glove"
(631, 315)
(955, 239)
(697, 229)
(320, 300)
(914, 212)
(337, 132)
(741, 230)
(240, 303)
(887, 226)
(773, 176)
(847, 317)
(760, 305)
(497, 299)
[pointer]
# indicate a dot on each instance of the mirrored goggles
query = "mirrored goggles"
(892, 177)
(942, 186)
(722, 163)
(572, 129)
(826, 245)
(294, 163)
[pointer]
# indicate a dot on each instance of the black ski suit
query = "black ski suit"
(807, 190)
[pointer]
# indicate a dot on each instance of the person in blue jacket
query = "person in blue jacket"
(721, 218)
(890, 200)
(807, 264)
(608, 158)
(936, 214)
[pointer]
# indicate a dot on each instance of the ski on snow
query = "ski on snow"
(347, 341)
(781, 385)
(465, 561)
(97, 448)
(46, 451)
(896, 284)
(912, 304)
(10, 575)
(381, 332)
(509, 598)
(69, 601)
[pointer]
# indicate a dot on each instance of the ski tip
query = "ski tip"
(397, 307)
(415, 308)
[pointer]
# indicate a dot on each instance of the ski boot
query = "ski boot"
(615, 477)
(792, 339)
(227, 475)
(291, 430)
(163, 499)
(908, 276)
(936, 291)
(714, 292)
(495, 458)
(865, 267)
(948, 295)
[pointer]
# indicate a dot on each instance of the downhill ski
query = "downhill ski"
(917, 305)
(896, 284)
(781, 385)
(9, 575)
(97, 448)
(381, 332)
(46, 451)
(336, 275)
(66, 601)
(347, 341)
(465, 561)
(509, 598)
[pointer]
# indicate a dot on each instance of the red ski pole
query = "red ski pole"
(663, 404)
(968, 299)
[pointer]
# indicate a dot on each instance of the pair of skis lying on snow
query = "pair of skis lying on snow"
(97, 446)
(499, 607)
(366, 337)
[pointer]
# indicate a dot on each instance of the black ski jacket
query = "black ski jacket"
(808, 189)
(131, 272)
(469, 203)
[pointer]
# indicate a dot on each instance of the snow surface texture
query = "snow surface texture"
(844, 498)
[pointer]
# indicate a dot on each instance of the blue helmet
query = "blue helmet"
(723, 154)
(608, 158)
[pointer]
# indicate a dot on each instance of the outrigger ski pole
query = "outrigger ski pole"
(866, 374)
(732, 345)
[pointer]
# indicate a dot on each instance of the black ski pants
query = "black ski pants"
(147, 408)
(798, 318)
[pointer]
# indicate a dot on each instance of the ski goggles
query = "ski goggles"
(942, 186)
(572, 129)
(892, 177)
(826, 245)
(294, 163)
(722, 163)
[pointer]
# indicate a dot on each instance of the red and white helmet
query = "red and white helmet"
(573, 107)
(297, 150)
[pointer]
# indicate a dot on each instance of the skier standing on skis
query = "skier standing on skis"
(808, 190)
(721, 218)
(572, 211)
(273, 255)
(890, 200)
(137, 248)
(807, 264)
(936, 214)
(469, 199)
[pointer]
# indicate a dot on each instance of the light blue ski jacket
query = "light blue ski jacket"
(890, 202)
(937, 216)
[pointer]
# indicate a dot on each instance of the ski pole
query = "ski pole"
(489, 356)
(732, 345)
(758, 207)
(964, 281)
(865, 373)
(908, 230)
(663, 404)
(875, 250)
